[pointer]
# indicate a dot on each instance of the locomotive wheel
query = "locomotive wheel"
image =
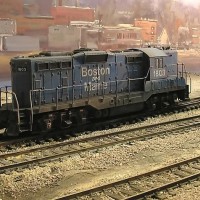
(173, 98)
(159, 103)
(150, 105)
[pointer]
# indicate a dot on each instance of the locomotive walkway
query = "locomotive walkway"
(40, 155)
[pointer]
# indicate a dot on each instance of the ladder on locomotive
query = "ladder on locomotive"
(24, 120)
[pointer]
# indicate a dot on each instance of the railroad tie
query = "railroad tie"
(128, 192)
(189, 170)
(181, 173)
(195, 166)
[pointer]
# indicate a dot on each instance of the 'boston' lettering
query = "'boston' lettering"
(95, 72)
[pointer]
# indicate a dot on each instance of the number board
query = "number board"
(159, 73)
(22, 69)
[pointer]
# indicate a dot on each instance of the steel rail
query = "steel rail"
(110, 190)
(88, 144)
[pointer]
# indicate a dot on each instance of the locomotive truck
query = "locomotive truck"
(54, 90)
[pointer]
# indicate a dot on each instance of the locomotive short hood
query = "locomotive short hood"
(153, 52)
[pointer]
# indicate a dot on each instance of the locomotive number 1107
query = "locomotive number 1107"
(159, 73)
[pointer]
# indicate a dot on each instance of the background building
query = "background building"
(64, 14)
(195, 37)
(148, 29)
(122, 36)
(62, 37)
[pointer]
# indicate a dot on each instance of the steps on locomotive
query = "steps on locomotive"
(24, 120)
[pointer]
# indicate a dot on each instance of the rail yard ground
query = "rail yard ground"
(94, 168)
(98, 167)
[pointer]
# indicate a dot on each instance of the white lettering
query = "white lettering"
(94, 79)
(84, 71)
(89, 72)
(95, 86)
(159, 73)
(94, 72)
(22, 69)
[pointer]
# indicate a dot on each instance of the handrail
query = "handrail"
(183, 70)
(31, 105)
(16, 100)
(186, 77)
(6, 90)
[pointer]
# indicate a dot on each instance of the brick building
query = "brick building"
(195, 32)
(37, 22)
(11, 8)
(122, 36)
(148, 29)
(65, 14)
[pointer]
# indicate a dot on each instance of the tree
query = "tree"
(143, 9)
(106, 11)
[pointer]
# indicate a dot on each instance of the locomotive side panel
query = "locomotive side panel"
(92, 72)
(130, 71)
(171, 63)
(122, 73)
(48, 79)
(41, 81)
(136, 68)
(110, 79)
(66, 81)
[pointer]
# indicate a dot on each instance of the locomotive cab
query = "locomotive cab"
(21, 71)
(167, 78)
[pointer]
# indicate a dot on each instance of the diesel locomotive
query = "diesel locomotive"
(54, 90)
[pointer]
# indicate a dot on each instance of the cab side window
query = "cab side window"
(159, 63)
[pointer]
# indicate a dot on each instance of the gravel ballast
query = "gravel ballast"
(101, 166)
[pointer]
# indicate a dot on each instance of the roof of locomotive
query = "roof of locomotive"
(90, 53)
(112, 53)
(43, 58)
(152, 52)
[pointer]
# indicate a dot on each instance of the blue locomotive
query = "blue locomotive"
(56, 90)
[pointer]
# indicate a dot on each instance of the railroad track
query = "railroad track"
(31, 140)
(37, 156)
(144, 186)
(193, 101)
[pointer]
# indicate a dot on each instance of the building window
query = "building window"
(119, 36)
